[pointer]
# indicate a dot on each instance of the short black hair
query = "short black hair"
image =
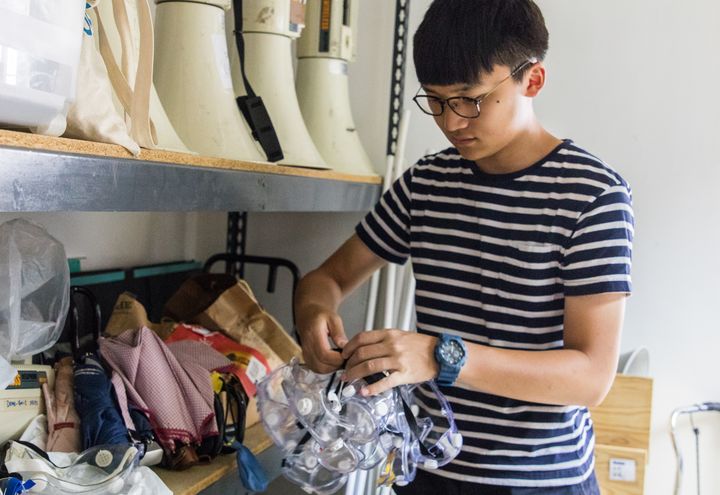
(460, 40)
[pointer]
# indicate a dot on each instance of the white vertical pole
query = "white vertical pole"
(398, 170)
(372, 301)
(370, 484)
(350, 486)
(390, 296)
(360, 482)
(401, 143)
(407, 302)
(390, 273)
(400, 281)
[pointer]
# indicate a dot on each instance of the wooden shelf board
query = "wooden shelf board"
(197, 478)
(65, 145)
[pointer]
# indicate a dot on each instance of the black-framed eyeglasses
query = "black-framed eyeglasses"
(464, 106)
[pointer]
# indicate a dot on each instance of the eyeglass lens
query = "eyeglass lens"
(464, 107)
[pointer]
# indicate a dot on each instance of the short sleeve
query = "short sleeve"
(386, 228)
(598, 258)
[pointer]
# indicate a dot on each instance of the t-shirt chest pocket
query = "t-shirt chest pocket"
(537, 252)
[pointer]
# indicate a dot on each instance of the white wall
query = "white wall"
(635, 82)
(307, 239)
(127, 239)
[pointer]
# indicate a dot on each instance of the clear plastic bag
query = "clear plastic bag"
(34, 292)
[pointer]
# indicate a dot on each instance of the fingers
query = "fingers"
(319, 356)
(322, 361)
(336, 330)
(390, 381)
(408, 356)
(368, 367)
(317, 353)
(367, 352)
(362, 339)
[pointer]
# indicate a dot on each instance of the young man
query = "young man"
(520, 243)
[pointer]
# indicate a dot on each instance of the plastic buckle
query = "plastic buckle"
(257, 116)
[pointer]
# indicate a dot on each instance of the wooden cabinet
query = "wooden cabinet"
(622, 436)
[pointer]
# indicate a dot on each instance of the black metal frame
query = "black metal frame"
(397, 78)
(236, 235)
(272, 263)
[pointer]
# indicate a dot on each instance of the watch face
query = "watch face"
(452, 352)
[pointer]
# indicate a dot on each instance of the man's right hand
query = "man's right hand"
(316, 325)
(318, 296)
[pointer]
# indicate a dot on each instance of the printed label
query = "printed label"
(622, 470)
(256, 371)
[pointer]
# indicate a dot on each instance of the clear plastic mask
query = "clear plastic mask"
(328, 429)
(100, 469)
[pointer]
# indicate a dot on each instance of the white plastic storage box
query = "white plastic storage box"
(39, 55)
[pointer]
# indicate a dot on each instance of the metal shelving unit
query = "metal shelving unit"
(42, 174)
(51, 180)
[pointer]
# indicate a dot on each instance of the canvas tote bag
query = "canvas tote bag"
(93, 116)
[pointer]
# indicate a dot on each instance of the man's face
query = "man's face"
(502, 114)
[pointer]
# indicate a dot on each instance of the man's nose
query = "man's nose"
(452, 122)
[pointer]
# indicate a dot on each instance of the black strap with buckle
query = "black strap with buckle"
(251, 105)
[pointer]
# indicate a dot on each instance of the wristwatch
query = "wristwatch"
(451, 354)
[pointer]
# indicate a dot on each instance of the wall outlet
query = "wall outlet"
(623, 470)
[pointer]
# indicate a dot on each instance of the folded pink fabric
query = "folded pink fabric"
(177, 397)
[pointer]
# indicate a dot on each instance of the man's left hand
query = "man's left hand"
(409, 357)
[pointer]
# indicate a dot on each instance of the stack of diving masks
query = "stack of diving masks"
(327, 429)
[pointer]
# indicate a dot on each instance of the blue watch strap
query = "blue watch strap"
(448, 371)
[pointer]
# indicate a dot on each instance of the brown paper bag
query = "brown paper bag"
(128, 314)
(222, 303)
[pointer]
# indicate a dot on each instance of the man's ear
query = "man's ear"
(535, 80)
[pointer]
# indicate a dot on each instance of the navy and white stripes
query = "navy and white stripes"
(494, 257)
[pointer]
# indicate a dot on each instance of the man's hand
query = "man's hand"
(409, 357)
(315, 325)
(320, 293)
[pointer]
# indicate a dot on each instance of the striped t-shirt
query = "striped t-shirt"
(494, 257)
